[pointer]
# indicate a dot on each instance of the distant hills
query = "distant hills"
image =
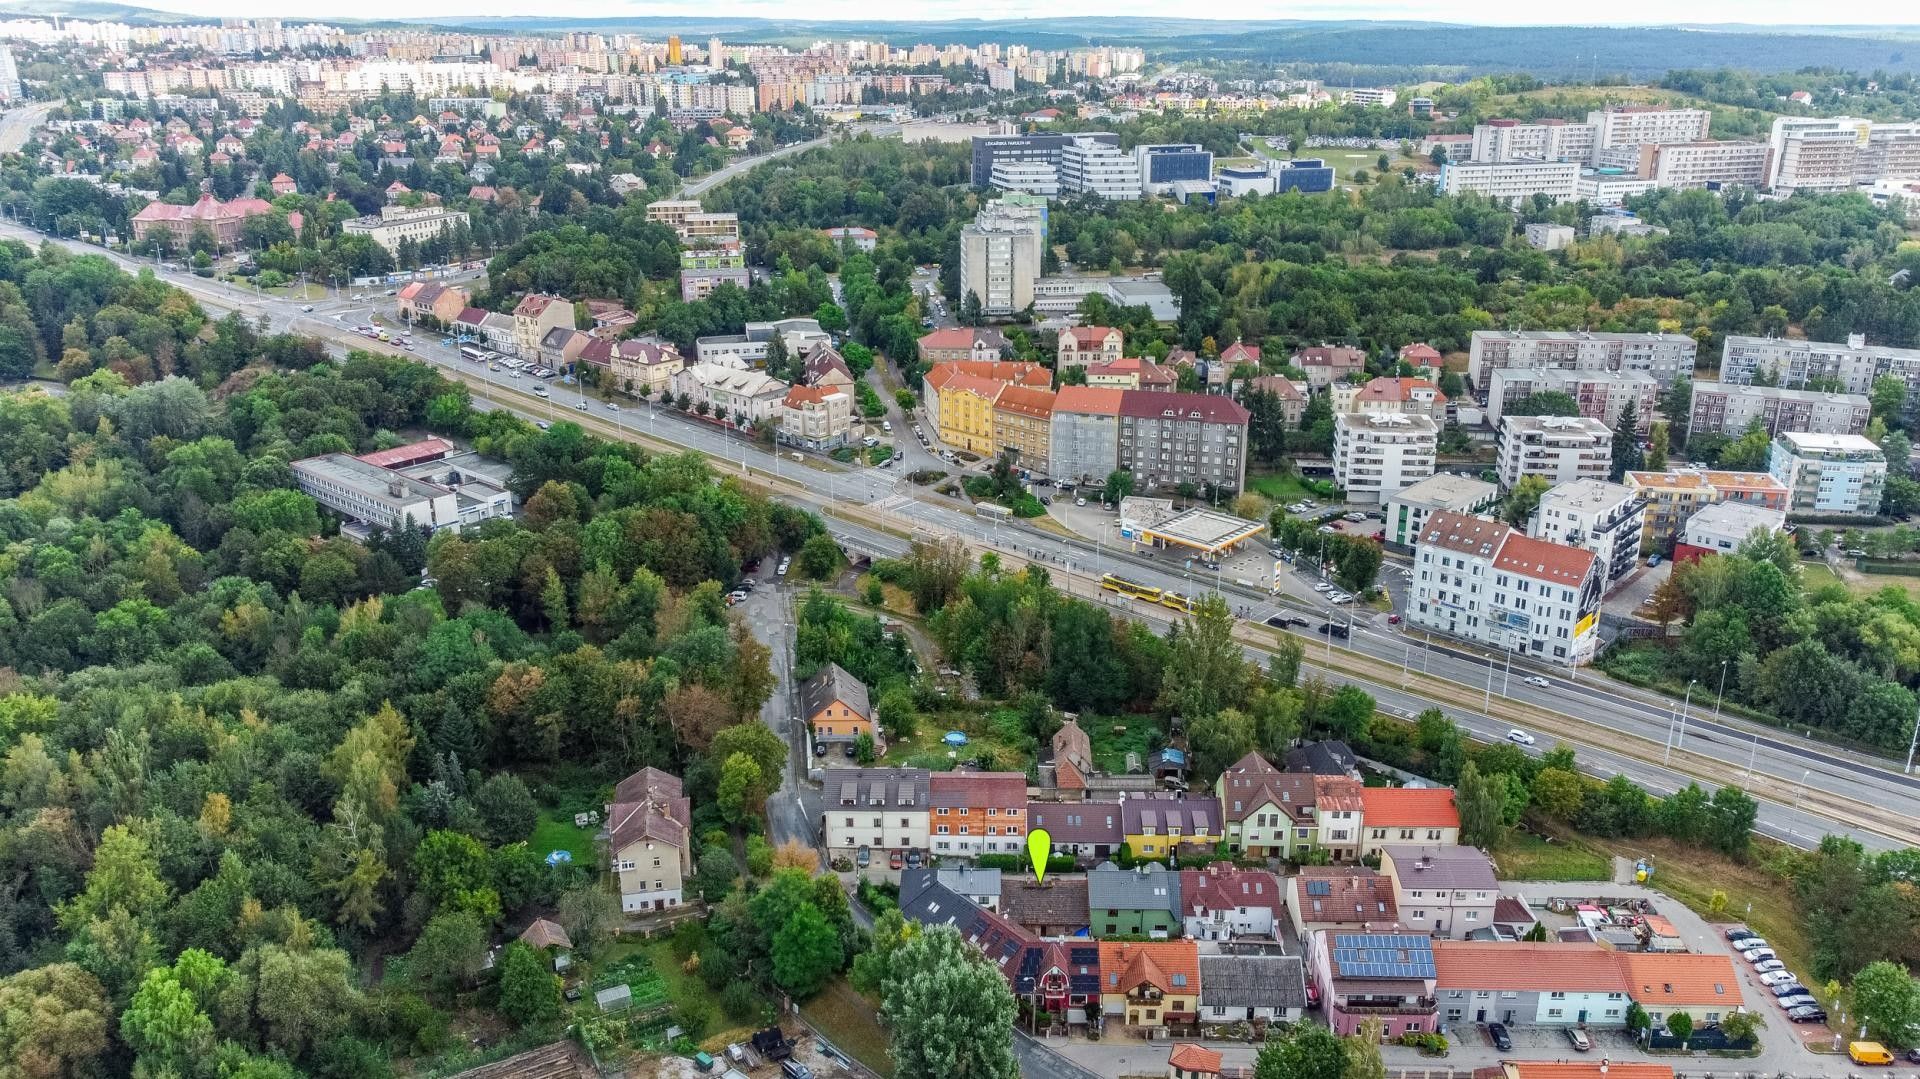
(1549, 52)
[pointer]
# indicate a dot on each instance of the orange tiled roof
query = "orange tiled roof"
(1125, 964)
(1546, 968)
(1582, 1069)
(1027, 401)
(1409, 807)
(1193, 1058)
(1680, 979)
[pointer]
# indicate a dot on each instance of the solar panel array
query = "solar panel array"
(1320, 887)
(1383, 955)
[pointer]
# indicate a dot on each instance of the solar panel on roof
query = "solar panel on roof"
(1319, 887)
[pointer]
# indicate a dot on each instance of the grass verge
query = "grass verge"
(851, 1022)
(1526, 856)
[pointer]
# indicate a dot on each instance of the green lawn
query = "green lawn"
(1525, 856)
(1280, 490)
(556, 831)
(998, 733)
(1113, 738)
(848, 1020)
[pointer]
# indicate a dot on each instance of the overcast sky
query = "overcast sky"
(1490, 12)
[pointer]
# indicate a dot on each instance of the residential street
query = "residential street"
(794, 810)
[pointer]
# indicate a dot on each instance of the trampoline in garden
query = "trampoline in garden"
(955, 739)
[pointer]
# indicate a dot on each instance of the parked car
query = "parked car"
(1519, 737)
(1750, 941)
(1798, 1000)
(1579, 1039)
(1537, 681)
(1760, 955)
(894, 860)
(819, 749)
(913, 859)
(1393, 620)
(1777, 977)
(1740, 933)
(1338, 629)
(1808, 1014)
(1323, 587)
(1501, 1039)
(1787, 990)
(1653, 560)
(862, 857)
(1767, 966)
(848, 749)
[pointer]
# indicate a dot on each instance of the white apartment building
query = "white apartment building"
(1829, 474)
(1635, 124)
(374, 495)
(1833, 154)
(1605, 518)
(1665, 356)
(1560, 448)
(1478, 579)
(1376, 455)
(1728, 408)
(1611, 188)
(395, 224)
(1091, 167)
(1600, 395)
(1542, 236)
(1512, 181)
(1025, 176)
(1706, 164)
(882, 809)
(1000, 256)
(1407, 511)
(1543, 140)
(1724, 526)
(1792, 364)
(1370, 97)
(731, 394)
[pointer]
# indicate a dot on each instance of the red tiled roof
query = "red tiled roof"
(1216, 889)
(1545, 968)
(1125, 964)
(1088, 336)
(1193, 1058)
(1339, 792)
(1006, 791)
(1420, 353)
(802, 395)
(1088, 400)
(1399, 389)
(1026, 400)
(1408, 807)
(1352, 896)
(1542, 560)
(1680, 979)
(207, 208)
(999, 371)
(534, 305)
(1582, 1069)
(1240, 352)
(1278, 385)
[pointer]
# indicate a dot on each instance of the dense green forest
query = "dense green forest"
(268, 797)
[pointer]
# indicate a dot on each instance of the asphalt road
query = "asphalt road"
(17, 124)
(883, 497)
(793, 812)
(695, 188)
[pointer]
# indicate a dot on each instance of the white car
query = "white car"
(1339, 597)
(1537, 681)
(540, 391)
(869, 442)
(1323, 587)
(1748, 944)
(887, 426)
(1768, 966)
(611, 407)
(784, 563)
(1519, 737)
(1777, 977)
(1079, 501)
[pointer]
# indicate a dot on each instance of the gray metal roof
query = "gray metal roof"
(834, 683)
(1147, 887)
(970, 881)
(1252, 981)
(1451, 868)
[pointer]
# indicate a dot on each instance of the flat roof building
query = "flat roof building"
(1722, 527)
(1560, 448)
(376, 496)
(1605, 518)
(1829, 474)
(1376, 455)
(1407, 511)
(1729, 409)
(1674, 496)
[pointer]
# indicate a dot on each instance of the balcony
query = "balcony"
(1416, 1006)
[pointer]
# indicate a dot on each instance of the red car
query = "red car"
(893, 860)
(1393, 620)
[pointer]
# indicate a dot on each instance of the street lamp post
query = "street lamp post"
(1486, 704)
(1722, 691)
(1681, 742)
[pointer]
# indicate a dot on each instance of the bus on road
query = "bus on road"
(992, 510)
(469, 352)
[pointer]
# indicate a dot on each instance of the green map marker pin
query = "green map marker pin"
(1039, 845)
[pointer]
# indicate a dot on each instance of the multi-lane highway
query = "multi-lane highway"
(1806, 789)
